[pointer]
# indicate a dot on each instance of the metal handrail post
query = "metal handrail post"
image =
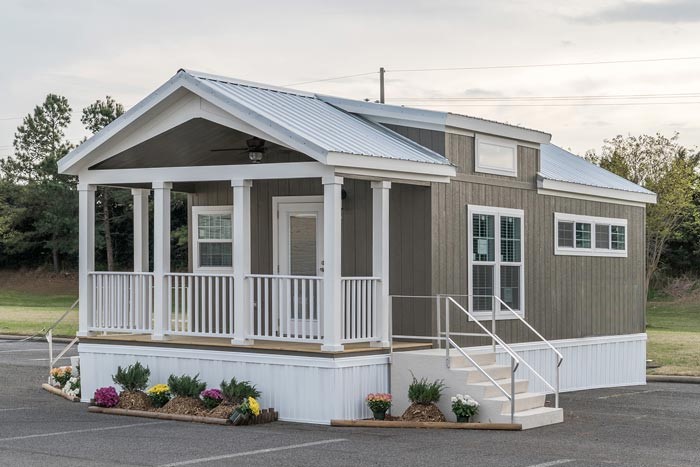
(556, 394)
(493, 323)
(512, 390)
(49, 339)
(391, 324)
(447, 333)
(439, 324)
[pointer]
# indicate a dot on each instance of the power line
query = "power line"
(541, 65)
(572, 104)
(546, 98)
(333, 78)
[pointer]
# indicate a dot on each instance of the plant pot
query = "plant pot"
(462, 419)
(238, 418)
(379, 414)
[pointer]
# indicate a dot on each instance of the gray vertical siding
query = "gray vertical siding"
(565, 296)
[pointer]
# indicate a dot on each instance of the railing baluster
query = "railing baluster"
(258, 305)
(266, 313)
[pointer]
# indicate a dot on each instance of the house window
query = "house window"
(213, 240)
(495, 260)
(496, 156)
(589, 236)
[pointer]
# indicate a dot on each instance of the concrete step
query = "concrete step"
(541, 416)
(523, 401)
(473, 375)
(487, 389)
(459, 361)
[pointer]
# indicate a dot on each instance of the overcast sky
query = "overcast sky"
(86, 50)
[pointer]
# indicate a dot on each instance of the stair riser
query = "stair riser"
(481, 359)
(492, 391)
(523, 404)
(476, 376)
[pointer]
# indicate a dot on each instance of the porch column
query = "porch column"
(86, 251)
(380, 258)
(241, 261)
(161, 257)
(140, 229)
(332, 319)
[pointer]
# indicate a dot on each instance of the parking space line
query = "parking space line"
(24, 350)
(551, 463)
(88, 430)
(16, 408)
(250, 453)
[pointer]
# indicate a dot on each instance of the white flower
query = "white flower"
(454, 399)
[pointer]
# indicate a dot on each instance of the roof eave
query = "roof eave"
(594, 191)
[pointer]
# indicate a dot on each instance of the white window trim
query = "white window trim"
(593, 251)
(196, 211)
(479, 166)
(497, 212)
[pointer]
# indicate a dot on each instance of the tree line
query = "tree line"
(39, 207)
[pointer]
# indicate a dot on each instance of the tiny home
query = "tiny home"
(335, 246)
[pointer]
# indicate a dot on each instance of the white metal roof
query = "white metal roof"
(320, 123)
(563, 166)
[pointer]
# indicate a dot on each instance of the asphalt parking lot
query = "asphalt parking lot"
(653, 425)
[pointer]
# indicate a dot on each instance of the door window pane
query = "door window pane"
(510, 239)
(215, 254)
(617, 235)
(302, 244)
(510, 286)
(602, 236)
(566, 234)
(583, 235)
(483, 233)
(482, 284)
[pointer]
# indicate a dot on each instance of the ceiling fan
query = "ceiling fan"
(255, 147)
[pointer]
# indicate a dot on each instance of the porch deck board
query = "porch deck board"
(219, 343)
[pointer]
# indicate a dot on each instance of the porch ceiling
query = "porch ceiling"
(191, 144)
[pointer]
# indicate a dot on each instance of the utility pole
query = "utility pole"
(381, 85)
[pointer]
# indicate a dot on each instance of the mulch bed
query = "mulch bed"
(423, 413)
(134, 400)
(185, 406)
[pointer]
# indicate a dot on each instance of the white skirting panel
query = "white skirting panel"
(589, 362)
(302, 389)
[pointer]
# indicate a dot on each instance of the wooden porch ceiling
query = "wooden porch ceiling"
(269, 347)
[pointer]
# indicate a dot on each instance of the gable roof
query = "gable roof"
(559, 165)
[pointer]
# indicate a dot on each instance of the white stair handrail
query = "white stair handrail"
(559, 359)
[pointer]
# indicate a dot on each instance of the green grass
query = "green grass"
(673, 330)
(26, 313)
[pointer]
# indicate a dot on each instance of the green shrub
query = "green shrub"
(133, 378)
(236, 391)
(186, 386)
(423, 392)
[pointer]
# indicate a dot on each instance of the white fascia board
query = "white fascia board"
(392, 165)
(390, 175)
(206, 173)
(606, 195)
(479, 125)
(387, 113)
(67, 164)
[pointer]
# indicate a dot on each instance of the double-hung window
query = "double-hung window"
(212, 238)
(589, 236)
(495, 260)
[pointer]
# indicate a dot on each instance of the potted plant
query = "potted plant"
(106, 397)
(247, 408)
(159, 395)
(464, 407)
(211, 398)
(379, 403)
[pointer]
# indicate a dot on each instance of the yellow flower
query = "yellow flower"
(158, 389)
(254, 406)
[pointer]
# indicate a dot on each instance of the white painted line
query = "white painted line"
(89, 430)
(623, 394)
(17, 408)
(551, 463)
(251, 453)
(24, 350)
(46, 359)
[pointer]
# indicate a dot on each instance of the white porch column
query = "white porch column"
(86, 251)
(161, 256)
(380, 257)
(332, 319)
(241, 261)
(140, 229)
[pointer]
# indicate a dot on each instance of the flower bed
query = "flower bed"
(64, 381)
(183, 398)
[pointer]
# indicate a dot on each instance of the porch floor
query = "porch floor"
(260, 346)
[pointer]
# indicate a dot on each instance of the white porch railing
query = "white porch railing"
(286, 308)
(200, 304)
(121, 301)
(359, 305)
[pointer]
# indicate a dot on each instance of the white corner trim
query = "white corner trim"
(594, 222)
(605, 195)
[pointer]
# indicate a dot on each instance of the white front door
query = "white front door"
(299, 252)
